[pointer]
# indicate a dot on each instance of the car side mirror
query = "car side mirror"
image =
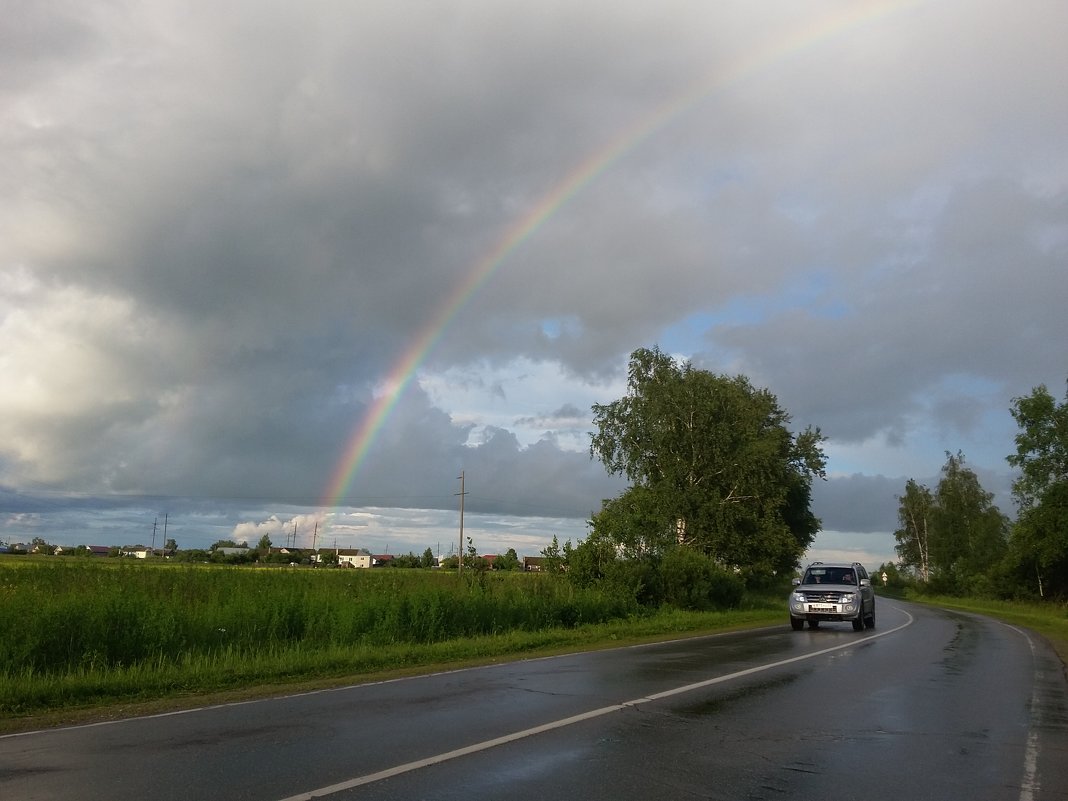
(796, 582)
(865, 583)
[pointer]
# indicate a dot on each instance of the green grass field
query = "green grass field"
(82, 637)
(80, 633)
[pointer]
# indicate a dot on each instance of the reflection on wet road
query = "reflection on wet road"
(932, 704)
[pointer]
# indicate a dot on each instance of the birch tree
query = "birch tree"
(712, 465)
(914, 535)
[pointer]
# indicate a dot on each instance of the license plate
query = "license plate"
(821, 608)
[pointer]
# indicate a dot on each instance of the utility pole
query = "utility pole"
(461, 493)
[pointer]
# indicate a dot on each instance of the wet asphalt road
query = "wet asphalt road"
(930, 705)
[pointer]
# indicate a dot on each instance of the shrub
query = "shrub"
(692, 580)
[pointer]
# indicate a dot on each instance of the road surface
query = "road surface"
(930, 705)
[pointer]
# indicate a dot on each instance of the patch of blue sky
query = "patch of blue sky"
(812, 292)
(816, 292)
(956, 384)
(689, 334)
(983, 433)
(833, 309)
(875, 456)
(556, 327)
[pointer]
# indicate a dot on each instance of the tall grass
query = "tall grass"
(75, 631)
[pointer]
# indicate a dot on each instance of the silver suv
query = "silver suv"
(833, 591)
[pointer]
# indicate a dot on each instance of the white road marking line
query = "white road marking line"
(1030, 783)
(563, 722)
(345, 688)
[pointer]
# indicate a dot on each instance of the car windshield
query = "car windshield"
(829, 575)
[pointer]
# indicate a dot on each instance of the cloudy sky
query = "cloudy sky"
(291, 268)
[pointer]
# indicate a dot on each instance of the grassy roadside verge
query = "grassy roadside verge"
(1048, 620)
(126, 693)
(120, 694)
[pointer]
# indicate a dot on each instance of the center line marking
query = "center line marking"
(485, 745)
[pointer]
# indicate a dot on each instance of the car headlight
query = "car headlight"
(799, 597)
(848, 598)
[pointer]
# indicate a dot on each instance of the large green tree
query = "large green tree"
(712, 465)
(955, 535)
(509, 560)
(1039, 542)
(637, 522)
(1041, 445)
(971, 532)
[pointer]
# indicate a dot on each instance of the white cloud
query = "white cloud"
(530, 398)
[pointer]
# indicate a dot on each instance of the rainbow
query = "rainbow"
(403, 372)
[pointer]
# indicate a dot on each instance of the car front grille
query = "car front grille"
(827, 597)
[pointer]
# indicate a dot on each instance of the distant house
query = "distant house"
(98, 550)
(291, 555)
(490, 559)
(534, 564)
(353, 557)
(382, 560)
(136, 551)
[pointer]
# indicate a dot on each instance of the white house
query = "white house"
(137, 551)
(354, 557)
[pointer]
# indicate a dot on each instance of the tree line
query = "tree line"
(954, 539)
(720, 494)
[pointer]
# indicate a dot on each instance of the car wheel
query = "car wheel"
(858, 622)
(797, 623)
(869, 621)
(813, 624)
